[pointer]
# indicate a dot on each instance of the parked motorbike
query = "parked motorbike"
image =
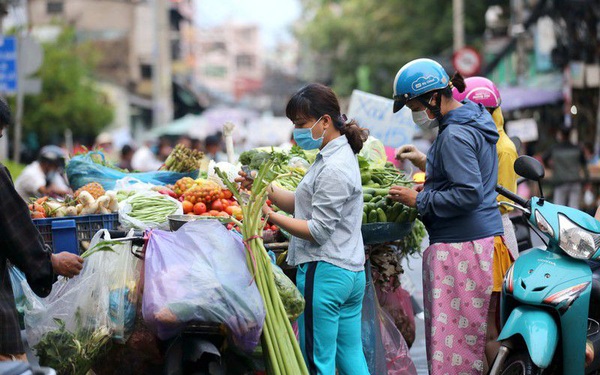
(545, 310)
(196, 350)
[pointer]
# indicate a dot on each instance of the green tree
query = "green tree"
(69, 97)
(352, 38)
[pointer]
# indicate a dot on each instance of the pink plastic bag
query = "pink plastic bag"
(397, 356)
(199, 274)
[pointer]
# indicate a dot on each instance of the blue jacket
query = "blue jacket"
(458, 202)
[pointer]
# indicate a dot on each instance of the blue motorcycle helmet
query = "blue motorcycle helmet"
(417, 78)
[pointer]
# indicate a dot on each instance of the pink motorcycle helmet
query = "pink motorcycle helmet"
(479, 90)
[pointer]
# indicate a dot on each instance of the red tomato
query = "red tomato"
(199, 208)
(269, 203)
(226, 203)
(187, 207)
(222, 214)
(217, 205)
(213, 213)
(227, 194)
(229, 210)
(206, 214)
(274, 227)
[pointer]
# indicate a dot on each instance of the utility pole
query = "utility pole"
(162, 97)
(458, 26)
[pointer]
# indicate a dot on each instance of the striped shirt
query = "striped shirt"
(330, 198)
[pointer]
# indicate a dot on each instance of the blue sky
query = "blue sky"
(273, 16)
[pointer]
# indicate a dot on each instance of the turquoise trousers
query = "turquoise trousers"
(330, 327)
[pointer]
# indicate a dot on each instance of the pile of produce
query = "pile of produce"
(378, 208)
(89, 200)
(289, 167)
(205, 198)
(145, 210)
(279, 344)
(183, 160)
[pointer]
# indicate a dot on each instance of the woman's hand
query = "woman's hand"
(410, 152)
(404, 195)
(244, 181)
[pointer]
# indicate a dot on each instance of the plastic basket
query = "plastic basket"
(86, 226)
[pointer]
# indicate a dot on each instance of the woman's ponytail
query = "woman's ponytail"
(355, 134)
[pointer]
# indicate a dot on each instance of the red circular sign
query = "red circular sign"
(466, 61)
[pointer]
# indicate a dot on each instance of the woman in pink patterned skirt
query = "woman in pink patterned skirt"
(458, 207)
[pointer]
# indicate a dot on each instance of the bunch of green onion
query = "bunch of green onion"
(280, 347)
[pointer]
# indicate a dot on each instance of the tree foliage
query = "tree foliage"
(69, 97)
(363, 43)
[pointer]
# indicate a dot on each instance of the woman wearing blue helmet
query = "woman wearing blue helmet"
(458, 207)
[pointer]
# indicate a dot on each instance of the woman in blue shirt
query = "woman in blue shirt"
(327, 245)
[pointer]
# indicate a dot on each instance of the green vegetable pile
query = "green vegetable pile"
(378, 208)
(72, 353)
(183, 160)
(289, 175)
(151, 209)
(411, 244)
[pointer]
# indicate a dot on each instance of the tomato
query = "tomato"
(217, 205)
(227, 194)
(199, 208)
(226, 203)
(39, 208)
(221, 195)
(230, 226)
(229, 210)
(206, 214)
(269, 203)
(222, 214)
(274, 227)
(213, 213)
(187, 206)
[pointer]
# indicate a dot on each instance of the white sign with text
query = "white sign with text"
(376, 114)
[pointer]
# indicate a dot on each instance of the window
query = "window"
(245, 61)
(54, 7)
(146, 71)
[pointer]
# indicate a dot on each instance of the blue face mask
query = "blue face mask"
(305, 140)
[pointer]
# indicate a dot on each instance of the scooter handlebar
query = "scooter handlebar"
(512, 196)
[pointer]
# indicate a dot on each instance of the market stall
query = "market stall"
(209, 256)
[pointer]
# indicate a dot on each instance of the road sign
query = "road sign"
(8, 65)
(467, 61)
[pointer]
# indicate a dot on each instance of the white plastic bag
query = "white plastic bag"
(132, 184)
(85, 311)
(230, 170)
(162, 222)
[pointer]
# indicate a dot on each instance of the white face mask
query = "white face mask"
(423, 121)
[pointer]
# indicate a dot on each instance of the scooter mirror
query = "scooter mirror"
(530, 168)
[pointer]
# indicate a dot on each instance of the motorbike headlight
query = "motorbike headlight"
(543, 225)
(576, 241)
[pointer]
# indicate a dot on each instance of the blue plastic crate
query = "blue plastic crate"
(86, 227)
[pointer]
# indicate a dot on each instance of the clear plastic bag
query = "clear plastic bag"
(397, 355)
(82, 170)
(129, 222)
(16, 278)
(371, 329)
(199, 274)
(374, 151)
(292, 299)
(74, 325)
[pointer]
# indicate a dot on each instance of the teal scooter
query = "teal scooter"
(545, 310)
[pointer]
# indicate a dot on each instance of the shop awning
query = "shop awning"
(526, 97)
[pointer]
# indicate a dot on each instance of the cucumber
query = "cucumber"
(370, 206)
(376, 179)
(373, 216)
(413, 215)
(381, 204)
(376, 199)
(369, 191)
(381, 216)
(381, 192)
(367, 198)
(365, 177)
(364, 218)
(372, 186)
(394, 212)
(402, 217)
